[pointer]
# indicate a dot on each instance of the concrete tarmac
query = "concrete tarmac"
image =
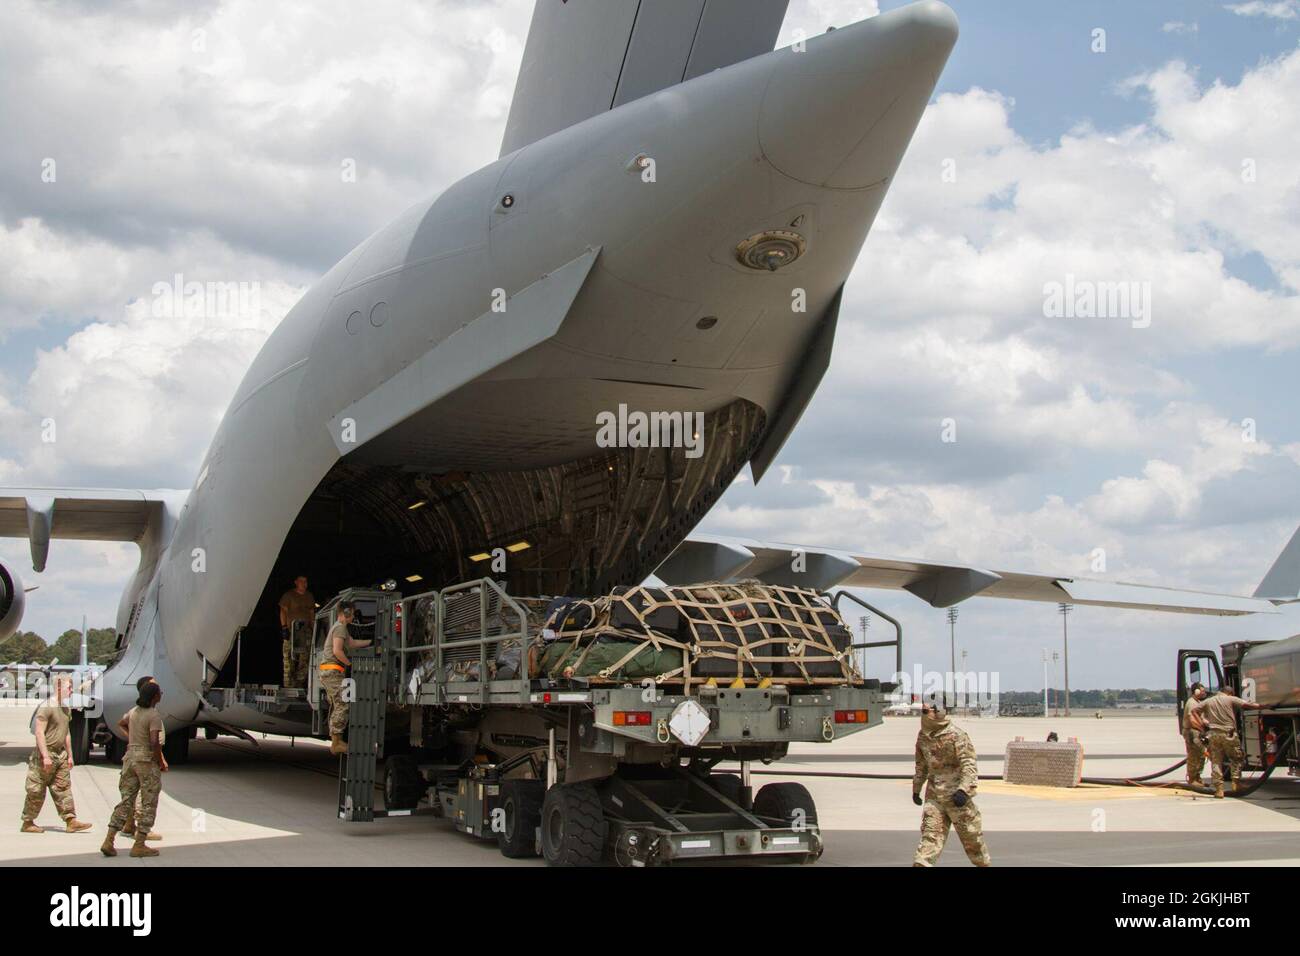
(236, 804)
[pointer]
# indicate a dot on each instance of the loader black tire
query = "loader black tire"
(176, 748)
(82, 732)
(573, 826)
(404, 785)
(790, 803)
(521, 805)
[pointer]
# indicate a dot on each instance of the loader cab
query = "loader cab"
(1196, 667)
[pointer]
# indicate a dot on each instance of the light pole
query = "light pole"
(864, 622)
(966, 691)
(1056, 657)
(952, 647)
(1065, 631)
(1045, 714)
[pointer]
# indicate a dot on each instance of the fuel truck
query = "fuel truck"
(1264, 672)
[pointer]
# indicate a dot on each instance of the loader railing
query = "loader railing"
(466, 638)
(896, 643)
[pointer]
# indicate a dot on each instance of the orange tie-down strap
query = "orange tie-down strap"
(331, 667)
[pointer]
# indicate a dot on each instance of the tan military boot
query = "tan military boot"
(77, 826)
(337, 746)
(1236, 786)
(107, 847)
(152, 836)
(140, 849)
(1218, 792)
(29, 826)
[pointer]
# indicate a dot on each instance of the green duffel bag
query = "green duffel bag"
(606, 653)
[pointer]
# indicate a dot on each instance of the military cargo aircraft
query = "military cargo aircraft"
(669, 228)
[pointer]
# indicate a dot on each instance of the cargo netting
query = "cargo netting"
(750, 632)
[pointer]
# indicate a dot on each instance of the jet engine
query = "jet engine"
(12, 602)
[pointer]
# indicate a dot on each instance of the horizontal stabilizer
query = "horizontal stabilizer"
(1282, 583)
(79, 514)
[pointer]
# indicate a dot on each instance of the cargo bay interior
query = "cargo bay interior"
(577, 528)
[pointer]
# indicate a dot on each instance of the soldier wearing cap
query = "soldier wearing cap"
(945, 763)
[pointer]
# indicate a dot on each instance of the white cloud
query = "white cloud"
(225, 119)
(1178, 26)
(810, 18)
(1273, 9)
(1166, 203)
(139, 396)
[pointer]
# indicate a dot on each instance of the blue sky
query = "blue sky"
(221, 163)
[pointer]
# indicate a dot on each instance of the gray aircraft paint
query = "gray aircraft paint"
(604, 273)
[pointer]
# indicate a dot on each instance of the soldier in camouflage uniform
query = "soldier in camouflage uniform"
(1219, 713)
(297, 611)
(333, 673)
(142, 770)
(945, 759)
(1194, 736)
(128, 827)
(50, 765)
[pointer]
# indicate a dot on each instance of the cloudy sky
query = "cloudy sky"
(145, 139)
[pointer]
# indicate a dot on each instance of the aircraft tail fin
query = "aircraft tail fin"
(1282, 583)
(584, 57)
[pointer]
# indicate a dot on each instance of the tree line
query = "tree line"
(1091, 698)
(28, 647)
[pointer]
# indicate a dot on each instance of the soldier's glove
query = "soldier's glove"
(284, 633)
(959, 798)
(916, 798)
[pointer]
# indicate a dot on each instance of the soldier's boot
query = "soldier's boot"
(77, 826)
(1218, 791)
(153, 836)
(140, 848)
(107, 847)
(337, 746)
(29, 826)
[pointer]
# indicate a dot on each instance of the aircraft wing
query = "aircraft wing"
(587, 56)
(79, 514)
(944, 584)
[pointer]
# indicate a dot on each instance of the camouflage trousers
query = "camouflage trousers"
(938, 814)
(296, 660)
(58, 780)
(1224, 748)
(1195, 754)
(334, 682)
(141, 777)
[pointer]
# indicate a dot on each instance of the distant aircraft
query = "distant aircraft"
(669, 228)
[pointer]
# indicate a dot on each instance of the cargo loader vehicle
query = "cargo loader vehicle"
(603, 730)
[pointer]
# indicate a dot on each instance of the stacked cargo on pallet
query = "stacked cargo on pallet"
(746, 634)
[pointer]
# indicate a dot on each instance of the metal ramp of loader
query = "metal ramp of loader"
(365, 737)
